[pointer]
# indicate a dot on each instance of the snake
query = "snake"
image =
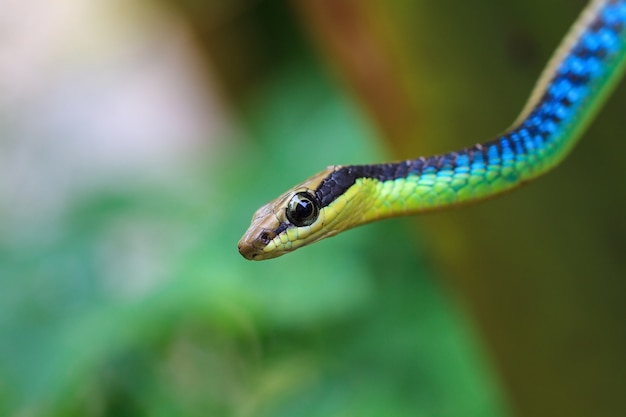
(578, 78)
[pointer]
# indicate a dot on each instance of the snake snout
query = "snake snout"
(247, 249)
(252, 244)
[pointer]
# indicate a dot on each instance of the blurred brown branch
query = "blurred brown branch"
(358, 47)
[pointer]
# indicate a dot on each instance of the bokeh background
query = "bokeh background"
(137, 139)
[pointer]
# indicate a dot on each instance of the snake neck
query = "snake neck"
(566, 98)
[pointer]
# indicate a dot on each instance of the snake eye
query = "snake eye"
(302, 210)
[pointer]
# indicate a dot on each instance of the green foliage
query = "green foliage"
(138, 304)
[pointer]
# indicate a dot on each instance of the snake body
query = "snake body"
(583, 70)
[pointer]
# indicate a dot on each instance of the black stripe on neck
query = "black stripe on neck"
(343, 178)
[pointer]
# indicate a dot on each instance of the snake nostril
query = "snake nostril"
(266, 237)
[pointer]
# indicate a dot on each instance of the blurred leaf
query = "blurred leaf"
(142, 305)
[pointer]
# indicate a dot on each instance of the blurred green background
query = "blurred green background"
(138, 139)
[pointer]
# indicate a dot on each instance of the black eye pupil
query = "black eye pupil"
(302, 210)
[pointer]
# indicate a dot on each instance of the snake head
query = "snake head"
(292, 220)
(310, 211)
